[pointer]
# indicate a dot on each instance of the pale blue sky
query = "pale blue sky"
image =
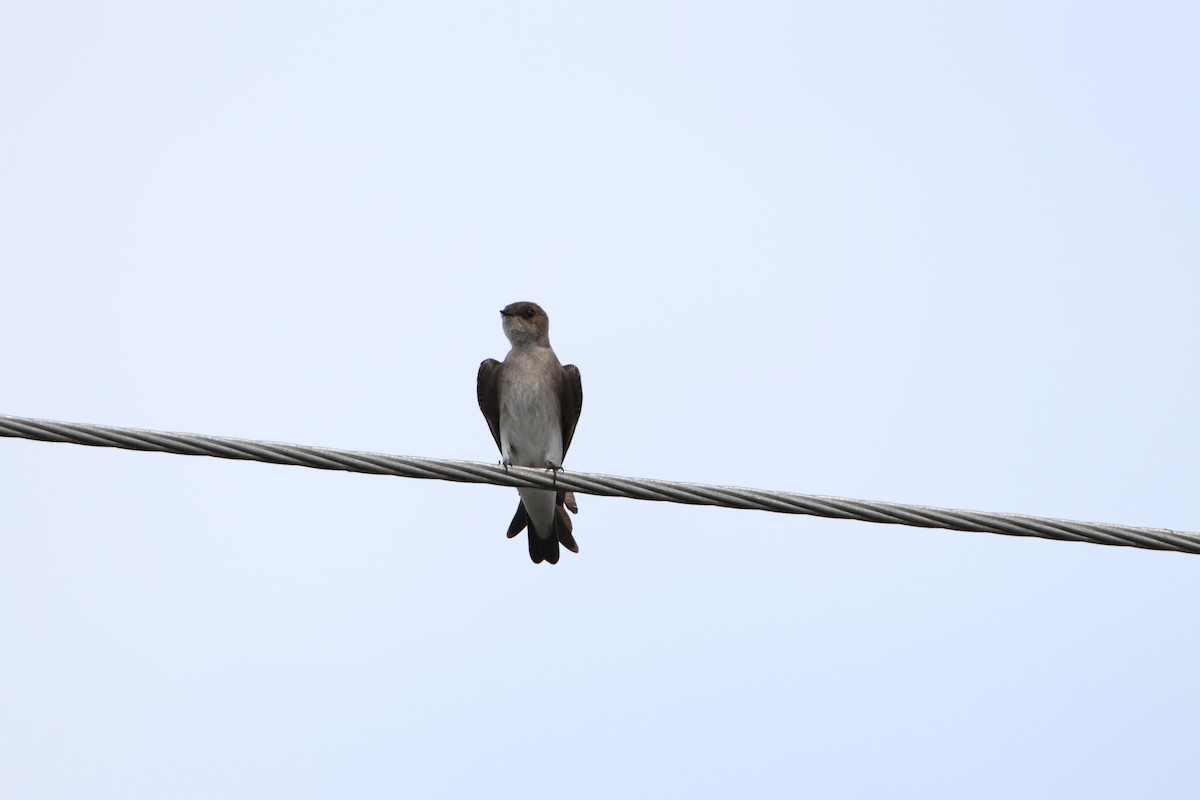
(939, 253)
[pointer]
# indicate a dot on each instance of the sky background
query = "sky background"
(934, 252)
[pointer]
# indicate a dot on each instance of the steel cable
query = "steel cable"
(589, 483)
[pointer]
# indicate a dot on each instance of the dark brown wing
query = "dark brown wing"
(487, 387)
(572, 403)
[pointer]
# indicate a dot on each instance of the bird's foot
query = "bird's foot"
(554, 469)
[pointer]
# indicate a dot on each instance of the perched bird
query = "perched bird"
(531, 403)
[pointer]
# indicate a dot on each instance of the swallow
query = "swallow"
(531, 403)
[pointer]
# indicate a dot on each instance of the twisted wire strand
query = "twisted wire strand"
(192, 444)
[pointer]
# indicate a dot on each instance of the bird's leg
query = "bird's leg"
(554, 469)
(504, 462)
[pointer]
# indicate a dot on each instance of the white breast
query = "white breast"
(531, 425)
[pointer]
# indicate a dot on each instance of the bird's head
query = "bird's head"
(526, 323)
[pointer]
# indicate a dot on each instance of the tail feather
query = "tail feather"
(519, 520)
(547, 549)
(542, 549)
(563, 525)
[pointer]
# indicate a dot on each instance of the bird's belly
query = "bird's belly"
(530, 431)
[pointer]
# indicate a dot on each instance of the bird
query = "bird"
(531, 403)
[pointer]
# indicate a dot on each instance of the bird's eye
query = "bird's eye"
(529, 313)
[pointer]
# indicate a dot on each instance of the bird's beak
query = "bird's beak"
(504, 313)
